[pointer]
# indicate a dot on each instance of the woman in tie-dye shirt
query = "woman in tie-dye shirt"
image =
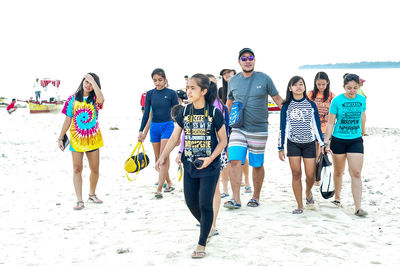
(81, 110)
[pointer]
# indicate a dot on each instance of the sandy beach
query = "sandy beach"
(39, 227)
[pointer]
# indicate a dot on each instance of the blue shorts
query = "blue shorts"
(159, 131)
(242, 141)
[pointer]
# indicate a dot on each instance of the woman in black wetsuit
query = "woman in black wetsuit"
(160, 100)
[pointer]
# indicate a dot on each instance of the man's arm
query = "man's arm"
(278, 100)
(229, 104)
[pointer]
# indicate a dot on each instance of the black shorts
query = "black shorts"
(305, 150)
(342, 146)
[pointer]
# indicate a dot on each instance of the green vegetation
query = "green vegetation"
(387, 64)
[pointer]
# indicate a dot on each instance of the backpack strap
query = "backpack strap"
(184, 110)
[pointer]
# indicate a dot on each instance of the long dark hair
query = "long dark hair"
(327, 92)
(289, 94)
(175, 111)
(214, 93)
(224, 89)
(92, 95)
(204, 83)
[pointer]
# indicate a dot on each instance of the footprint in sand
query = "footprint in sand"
(328, 215)
(310, 250)
(358, 245)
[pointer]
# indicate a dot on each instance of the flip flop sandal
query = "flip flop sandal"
(337, 203)
(253, 203)
(232, 204)
(224, 195)
(198, 254)
(169, 189)
(164, 186)
(310, 204)
(158, 195)
(297, 211)
(94, 199)
(247, 190)
(361, 213)
(79, 207)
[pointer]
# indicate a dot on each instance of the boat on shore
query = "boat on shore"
(51, 103)
(44, 106)
(2, 103)
(272, 107)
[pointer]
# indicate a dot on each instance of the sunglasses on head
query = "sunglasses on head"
(245, 58)
(350, 77)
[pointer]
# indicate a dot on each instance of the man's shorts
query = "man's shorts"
(305, 150)
(11, 110)
(342, 146)
(240, 141)
(159, 131)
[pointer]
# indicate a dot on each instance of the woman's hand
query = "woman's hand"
(282, 155)
(178, 159)
(60, 145)
(159, 163)
(141, 137)
(206, 162)
(326, 149)
(89, 78)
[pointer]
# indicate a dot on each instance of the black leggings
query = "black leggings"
(199, 195)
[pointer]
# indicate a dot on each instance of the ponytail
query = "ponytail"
(205, 84)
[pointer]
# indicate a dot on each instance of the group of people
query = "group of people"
(211, 150)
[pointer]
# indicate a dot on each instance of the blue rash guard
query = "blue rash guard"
(161, 102)
(300, 122)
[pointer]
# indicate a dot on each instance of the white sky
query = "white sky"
(123, 41)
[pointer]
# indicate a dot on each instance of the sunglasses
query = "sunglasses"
(245, 58)
(350, 77)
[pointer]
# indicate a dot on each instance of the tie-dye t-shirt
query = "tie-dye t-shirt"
(84, 131)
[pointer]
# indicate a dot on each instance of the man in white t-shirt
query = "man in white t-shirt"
(38, 89)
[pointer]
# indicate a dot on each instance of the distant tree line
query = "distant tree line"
(388, 64)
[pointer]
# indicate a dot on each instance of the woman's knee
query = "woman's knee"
(95, 170)
(78, 169)
(236, 164)
(296, 176)
(206, 207)
(355, 174)
(337, 174)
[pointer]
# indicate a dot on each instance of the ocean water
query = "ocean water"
(380, 87)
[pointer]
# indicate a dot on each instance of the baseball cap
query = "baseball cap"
(181, 94)
(225, 69)
(244, 50)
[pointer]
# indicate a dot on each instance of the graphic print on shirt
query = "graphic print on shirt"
(300, 123)
(197, 135)
(350, 122)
